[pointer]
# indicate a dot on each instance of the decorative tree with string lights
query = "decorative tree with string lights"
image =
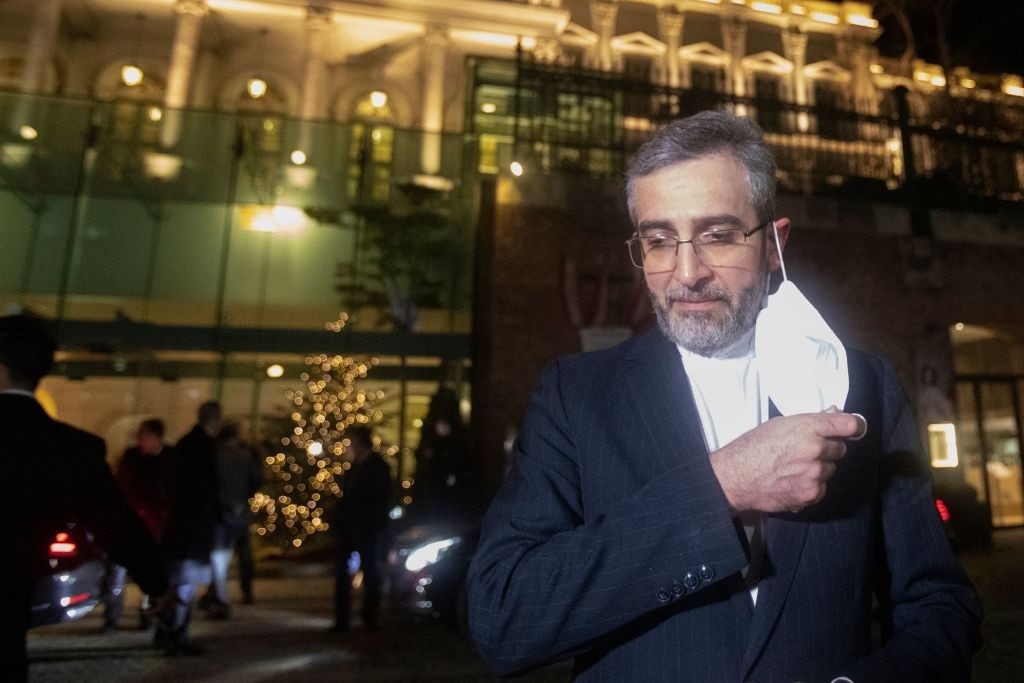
(307, 456)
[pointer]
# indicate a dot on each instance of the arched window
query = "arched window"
(370, 150)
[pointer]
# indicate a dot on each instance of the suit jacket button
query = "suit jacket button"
(663, 595)
(677, 589)
(706, 573)
(690, 580)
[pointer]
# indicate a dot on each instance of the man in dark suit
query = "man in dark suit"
(57, 473)
(663, 521)
(360, 521)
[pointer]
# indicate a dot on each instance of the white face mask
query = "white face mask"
(802, 363)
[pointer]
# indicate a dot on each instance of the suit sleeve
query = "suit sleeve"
(548, 579)
(933, 611)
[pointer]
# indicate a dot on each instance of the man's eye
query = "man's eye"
(719, 236)
(660, 243)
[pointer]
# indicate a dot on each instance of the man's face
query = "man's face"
(703, 308)
(148, 442)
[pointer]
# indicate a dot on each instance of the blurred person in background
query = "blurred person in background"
(359, 525)
(240, 473)
(192, 520)
(142, 473)
(61, 474)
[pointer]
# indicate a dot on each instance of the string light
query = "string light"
(314, 453)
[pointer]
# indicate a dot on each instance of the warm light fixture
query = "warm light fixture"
(937, 81)
(488, 107)
(861, 20)
(968, 82)
(959, 327)
(155, 114)
(825, 17)
(378, 99)
(276, 219)
(298, 157)
(942, 445)
(876, 69)
(28, 133)
(256, 87)
(768, 7)
(131, 75)
(275, 370)
(516, 168)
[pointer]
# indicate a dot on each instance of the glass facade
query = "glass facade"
(183, 253)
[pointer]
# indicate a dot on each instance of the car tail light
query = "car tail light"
(62, 545)
(72, 600)
(940, 505)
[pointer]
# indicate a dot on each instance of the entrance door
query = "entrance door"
(989, 439)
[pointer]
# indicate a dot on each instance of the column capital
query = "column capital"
(435, 35)
(670, 21)
(604, 13)
(794, 43)
(318, 18)
(197, 8)
(734, 34)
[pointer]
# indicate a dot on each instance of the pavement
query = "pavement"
(284, 636)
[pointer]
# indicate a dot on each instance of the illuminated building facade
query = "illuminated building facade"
(195, 188)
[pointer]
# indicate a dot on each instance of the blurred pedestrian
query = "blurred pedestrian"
(59, 473)
(192, 520)
(444, 481)
(142, 473)
(240, 475)
(360, 522)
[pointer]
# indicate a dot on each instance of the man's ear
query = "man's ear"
(782, 229)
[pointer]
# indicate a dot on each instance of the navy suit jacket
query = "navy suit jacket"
(612, 542)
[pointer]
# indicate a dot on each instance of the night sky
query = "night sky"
(985, 35)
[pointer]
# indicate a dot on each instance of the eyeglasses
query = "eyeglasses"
(719, 247)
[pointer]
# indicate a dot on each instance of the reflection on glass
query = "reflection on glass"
(967, 439)
(1002, 443)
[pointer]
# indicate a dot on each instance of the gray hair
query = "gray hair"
(704, 134)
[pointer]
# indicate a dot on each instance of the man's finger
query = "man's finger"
(841, 425)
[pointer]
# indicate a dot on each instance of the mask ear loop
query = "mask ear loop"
(778, 247)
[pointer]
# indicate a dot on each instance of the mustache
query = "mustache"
(703, 292)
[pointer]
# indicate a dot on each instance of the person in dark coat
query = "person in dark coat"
(240, 475)
(360, 522)
(190, 528)
(142, 473)
(57, 473)
(445, 482)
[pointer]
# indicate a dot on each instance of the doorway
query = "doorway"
(989, 439)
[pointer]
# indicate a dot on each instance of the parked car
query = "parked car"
(71, 583)
(427, 566)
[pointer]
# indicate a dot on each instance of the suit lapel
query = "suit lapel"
(664, 402)
(784, 542)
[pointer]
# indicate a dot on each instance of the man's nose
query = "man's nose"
(690, 269)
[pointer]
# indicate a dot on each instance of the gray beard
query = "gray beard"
(708, 332)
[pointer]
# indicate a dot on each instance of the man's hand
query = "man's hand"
(784, 464)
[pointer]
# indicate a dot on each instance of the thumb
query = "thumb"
(834, 424)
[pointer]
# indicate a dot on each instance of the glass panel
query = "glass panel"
(967, 439)
(1002, 444)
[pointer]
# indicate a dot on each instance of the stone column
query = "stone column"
(602, 16)
(42, 42)
(314, 81)
(794, 44)
(734, 41)
(670, 25)
(183, 56)
(435, 47)
(864, 95)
